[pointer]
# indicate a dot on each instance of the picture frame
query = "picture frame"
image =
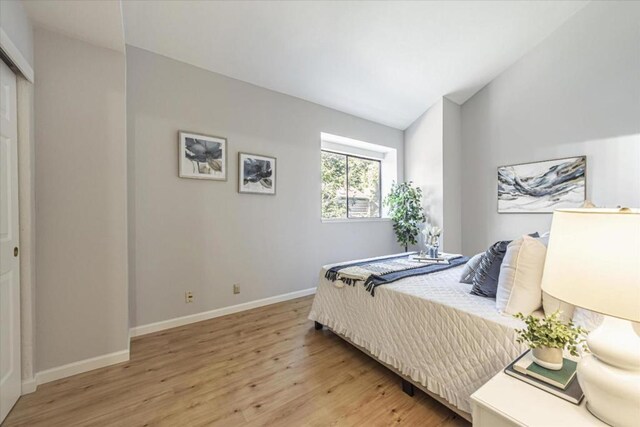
(543, 186)
(202, 156)
(257, 174)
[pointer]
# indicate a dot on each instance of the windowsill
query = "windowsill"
(342, 220)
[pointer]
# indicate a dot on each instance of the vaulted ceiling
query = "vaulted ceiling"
(383, 61)
(386, 61)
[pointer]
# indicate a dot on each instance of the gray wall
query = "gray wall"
(203, 236)
(433, 159)
(423, 161)
(15, 22)
(81, 222)
(576, 93)
(452, 175)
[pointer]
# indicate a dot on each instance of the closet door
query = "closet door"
(10, 376)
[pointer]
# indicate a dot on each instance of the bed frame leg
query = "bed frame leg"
(407, 387)
(318, 326)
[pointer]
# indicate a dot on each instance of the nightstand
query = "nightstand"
(506, 402)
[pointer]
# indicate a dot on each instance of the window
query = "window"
(356, 176)
(350, 186)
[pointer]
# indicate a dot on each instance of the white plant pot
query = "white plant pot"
(547, 357)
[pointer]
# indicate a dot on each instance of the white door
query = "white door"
(10, 377)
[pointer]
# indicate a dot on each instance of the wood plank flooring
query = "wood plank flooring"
(263, 367)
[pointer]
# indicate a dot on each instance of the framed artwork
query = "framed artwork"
(256, 174)
(542, 187)
(202, 156)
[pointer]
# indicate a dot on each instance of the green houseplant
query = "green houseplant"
(405, 207)
(548, 337)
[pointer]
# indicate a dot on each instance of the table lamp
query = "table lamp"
(593, 262)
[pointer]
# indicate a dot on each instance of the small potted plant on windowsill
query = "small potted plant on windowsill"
(547, 337)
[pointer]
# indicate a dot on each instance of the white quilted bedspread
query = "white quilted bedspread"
(428, 327)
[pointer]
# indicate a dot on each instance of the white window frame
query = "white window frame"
(387, 156)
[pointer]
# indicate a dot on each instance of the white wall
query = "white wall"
(203, 236)
(432, 149)
(81, 216)
(576, 93)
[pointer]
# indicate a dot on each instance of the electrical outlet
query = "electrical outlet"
(188, 297)
(236, 288)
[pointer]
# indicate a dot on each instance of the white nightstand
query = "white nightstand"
(505, 401)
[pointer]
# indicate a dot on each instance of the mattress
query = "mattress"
(429, 328)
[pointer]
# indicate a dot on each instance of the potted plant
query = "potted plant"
(405, 207)
(547, 337)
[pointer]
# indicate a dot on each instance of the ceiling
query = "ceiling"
(96, 22)
(383, 61)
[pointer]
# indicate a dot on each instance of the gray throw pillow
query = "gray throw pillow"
(470, 268)
(485, 280)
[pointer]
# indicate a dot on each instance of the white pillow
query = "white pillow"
(544, 239)
(470, 268)
(553, 304)
(520, 280)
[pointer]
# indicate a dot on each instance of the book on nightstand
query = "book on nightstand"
(562, 383)
(561, 378)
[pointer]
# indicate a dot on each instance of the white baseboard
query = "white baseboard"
(53, 374)
(29, 386)
(81, 366)
(206, 315)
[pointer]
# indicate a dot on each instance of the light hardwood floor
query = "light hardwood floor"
(266, 366)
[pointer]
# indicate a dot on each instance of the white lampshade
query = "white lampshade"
(593, 260)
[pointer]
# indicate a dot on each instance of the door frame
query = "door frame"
(14, 58)
(27, 218)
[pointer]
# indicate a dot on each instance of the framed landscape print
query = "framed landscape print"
(542, 187)
(202, 156)
(256, 174)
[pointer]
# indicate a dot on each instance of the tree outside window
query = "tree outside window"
(350, 186)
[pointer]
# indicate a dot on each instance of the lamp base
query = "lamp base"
(610, 376)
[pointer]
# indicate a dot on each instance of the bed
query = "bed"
(428, 328)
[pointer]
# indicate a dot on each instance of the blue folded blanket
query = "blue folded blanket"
(390, 269)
